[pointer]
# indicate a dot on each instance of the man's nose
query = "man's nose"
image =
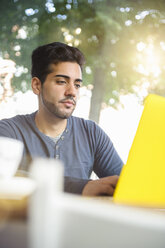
(70, 90)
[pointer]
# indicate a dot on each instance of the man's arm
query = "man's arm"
(107, 161)
(74, 185)
(103, 186)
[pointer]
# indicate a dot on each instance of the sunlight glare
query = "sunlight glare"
(162, 44)
(68, 38)
(150, 60)
(78, 30)
(140, 46)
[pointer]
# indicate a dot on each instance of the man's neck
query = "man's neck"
(50, 125)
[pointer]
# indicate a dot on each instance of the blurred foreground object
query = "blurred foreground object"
(11, 151)
(14, 196)
(48, 174)
(63, 220)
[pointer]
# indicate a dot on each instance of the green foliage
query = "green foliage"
(110, 31)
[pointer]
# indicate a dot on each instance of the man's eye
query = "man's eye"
(60, 82)
(77, 86)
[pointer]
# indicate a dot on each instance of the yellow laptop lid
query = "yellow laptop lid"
(142, 180)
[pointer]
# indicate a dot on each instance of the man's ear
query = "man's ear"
(36, 85)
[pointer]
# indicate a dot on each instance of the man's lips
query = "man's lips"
(68, 102)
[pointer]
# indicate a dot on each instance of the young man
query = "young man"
(53, 132)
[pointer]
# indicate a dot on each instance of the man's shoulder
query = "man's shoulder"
(82, 121)
(85, 125)
(18, 118)
(16, 126)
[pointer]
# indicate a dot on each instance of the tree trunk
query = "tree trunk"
(97, 94)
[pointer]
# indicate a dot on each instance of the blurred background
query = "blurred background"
(124, 45)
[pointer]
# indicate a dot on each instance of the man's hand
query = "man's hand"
(103, 186)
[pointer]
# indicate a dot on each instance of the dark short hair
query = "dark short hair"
(53, 53)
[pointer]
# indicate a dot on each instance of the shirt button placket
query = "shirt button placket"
(57, 148)
(57, 155)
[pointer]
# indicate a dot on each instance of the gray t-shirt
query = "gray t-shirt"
(83, 147)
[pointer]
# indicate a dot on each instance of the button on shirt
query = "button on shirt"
(83, 147)
(55, 140)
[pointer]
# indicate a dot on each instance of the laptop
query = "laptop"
(142, 179)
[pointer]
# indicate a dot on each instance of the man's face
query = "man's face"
(60, 90)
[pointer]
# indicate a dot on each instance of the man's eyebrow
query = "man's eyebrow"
(67, 77)
(64, 76)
